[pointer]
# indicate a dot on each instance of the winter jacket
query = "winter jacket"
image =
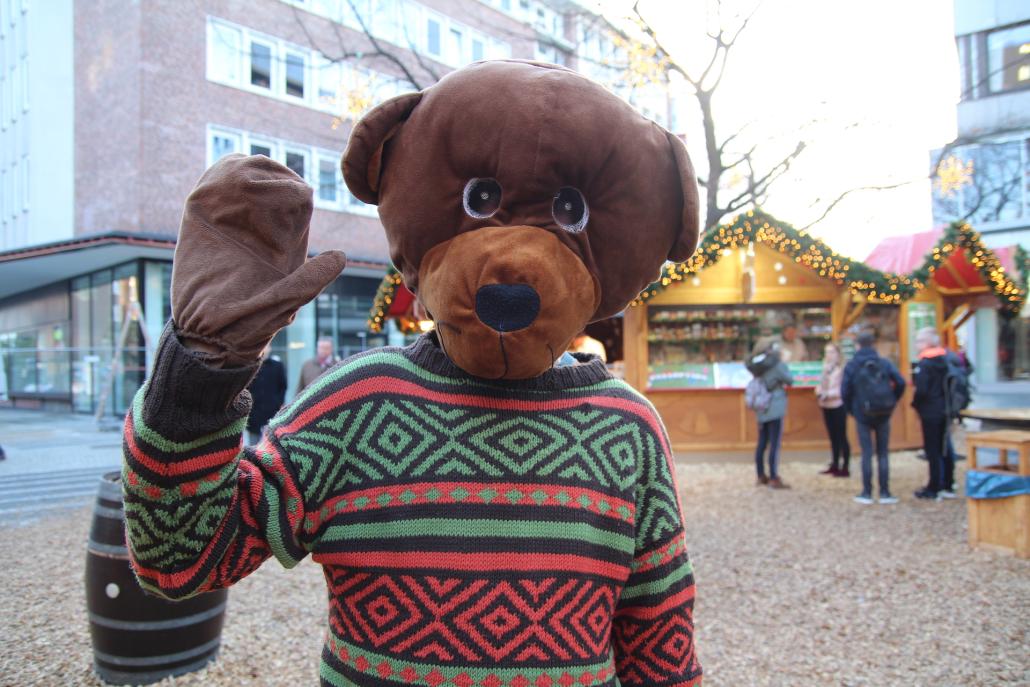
(774, 373)
(829, 395)
(928, 375)
(268, 389)
(851, 370)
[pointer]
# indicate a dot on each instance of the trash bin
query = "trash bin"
(139, 638)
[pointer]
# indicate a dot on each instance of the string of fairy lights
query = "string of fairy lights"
(756, 227)
(861, 279)
(964, 237)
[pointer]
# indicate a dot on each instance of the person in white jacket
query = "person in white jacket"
(835, 415)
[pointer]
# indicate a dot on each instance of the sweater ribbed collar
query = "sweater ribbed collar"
(589, 369)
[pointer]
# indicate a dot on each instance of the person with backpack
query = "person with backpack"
(871, 388)
(942, 390)
(766, 395)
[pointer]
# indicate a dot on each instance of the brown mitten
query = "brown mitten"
(240, 271)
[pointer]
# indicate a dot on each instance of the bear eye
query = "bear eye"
(570, 210)
(482, 198)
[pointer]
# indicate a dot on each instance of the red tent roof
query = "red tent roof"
(905, 254)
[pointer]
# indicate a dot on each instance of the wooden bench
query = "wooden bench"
(1004, 522)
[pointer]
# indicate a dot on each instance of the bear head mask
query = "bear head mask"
(522, 201)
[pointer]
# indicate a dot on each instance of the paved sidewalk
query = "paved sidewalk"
(38, 441)
(54, 462)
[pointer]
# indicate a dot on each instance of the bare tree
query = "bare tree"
(346, 50)
(722, 198)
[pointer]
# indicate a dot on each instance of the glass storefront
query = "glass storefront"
(89, 341)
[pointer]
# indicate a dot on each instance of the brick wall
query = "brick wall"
(143, 103)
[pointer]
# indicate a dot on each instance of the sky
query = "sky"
(879, 79)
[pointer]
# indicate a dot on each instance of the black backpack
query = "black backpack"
(956, 389)
(874, 390)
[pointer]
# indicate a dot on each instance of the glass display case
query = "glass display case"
(705, 346)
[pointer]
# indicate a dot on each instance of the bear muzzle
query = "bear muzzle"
(507, 301)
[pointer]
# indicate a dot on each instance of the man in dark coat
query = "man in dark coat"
(268, 389)
(852, 391)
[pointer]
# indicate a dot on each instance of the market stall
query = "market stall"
(754, 280)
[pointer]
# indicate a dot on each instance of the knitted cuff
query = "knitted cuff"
(186, 399)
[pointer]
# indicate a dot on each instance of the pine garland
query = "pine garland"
(958, 236)
(757, 227)
(385, 295)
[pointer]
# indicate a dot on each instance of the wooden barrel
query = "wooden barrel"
(139, 638)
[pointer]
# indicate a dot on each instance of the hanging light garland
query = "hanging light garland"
(384, 298)
(757, 227)
(961, 236)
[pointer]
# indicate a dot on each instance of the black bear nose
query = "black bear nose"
(507, 307)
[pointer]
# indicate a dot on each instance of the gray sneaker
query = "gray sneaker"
(946, 494)
(887, 499)
(864, 499)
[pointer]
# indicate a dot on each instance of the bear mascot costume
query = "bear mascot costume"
(489, 511)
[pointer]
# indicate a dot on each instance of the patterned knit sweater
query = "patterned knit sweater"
(472, 533)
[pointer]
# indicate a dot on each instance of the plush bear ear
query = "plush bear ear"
(362, 161)
(686, 241)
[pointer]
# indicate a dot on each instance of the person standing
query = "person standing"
(828, 395)
(268, 389)
(929, 375)
(314, 367)
(870, 389)
(771, 374)
(792, 347)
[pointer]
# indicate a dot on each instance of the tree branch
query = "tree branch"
(845, 194)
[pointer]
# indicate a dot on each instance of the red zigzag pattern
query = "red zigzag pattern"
(472, 620)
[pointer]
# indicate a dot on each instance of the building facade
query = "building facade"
(983, 177)
(112, 110)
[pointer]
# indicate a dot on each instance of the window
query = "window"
(260, 65)
(25, 83)
(1008, 58)
(477, 49)
(261, 148)
(327, 184)
(222, 143)
(298, 162)
(506, 5)
(433, 37)
(327, 8)
(223, 53)
(25, 183)
(456, 47)
(15, 191)
(330, 76)
(295, 68)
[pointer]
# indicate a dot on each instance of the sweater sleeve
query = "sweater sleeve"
(201, 511)
(653, 633)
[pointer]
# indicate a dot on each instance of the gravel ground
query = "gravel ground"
(799, 587)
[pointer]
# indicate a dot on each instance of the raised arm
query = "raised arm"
(201, 512)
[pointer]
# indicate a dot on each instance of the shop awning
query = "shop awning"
(957, 262)
(25, 269)
(393, 300)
